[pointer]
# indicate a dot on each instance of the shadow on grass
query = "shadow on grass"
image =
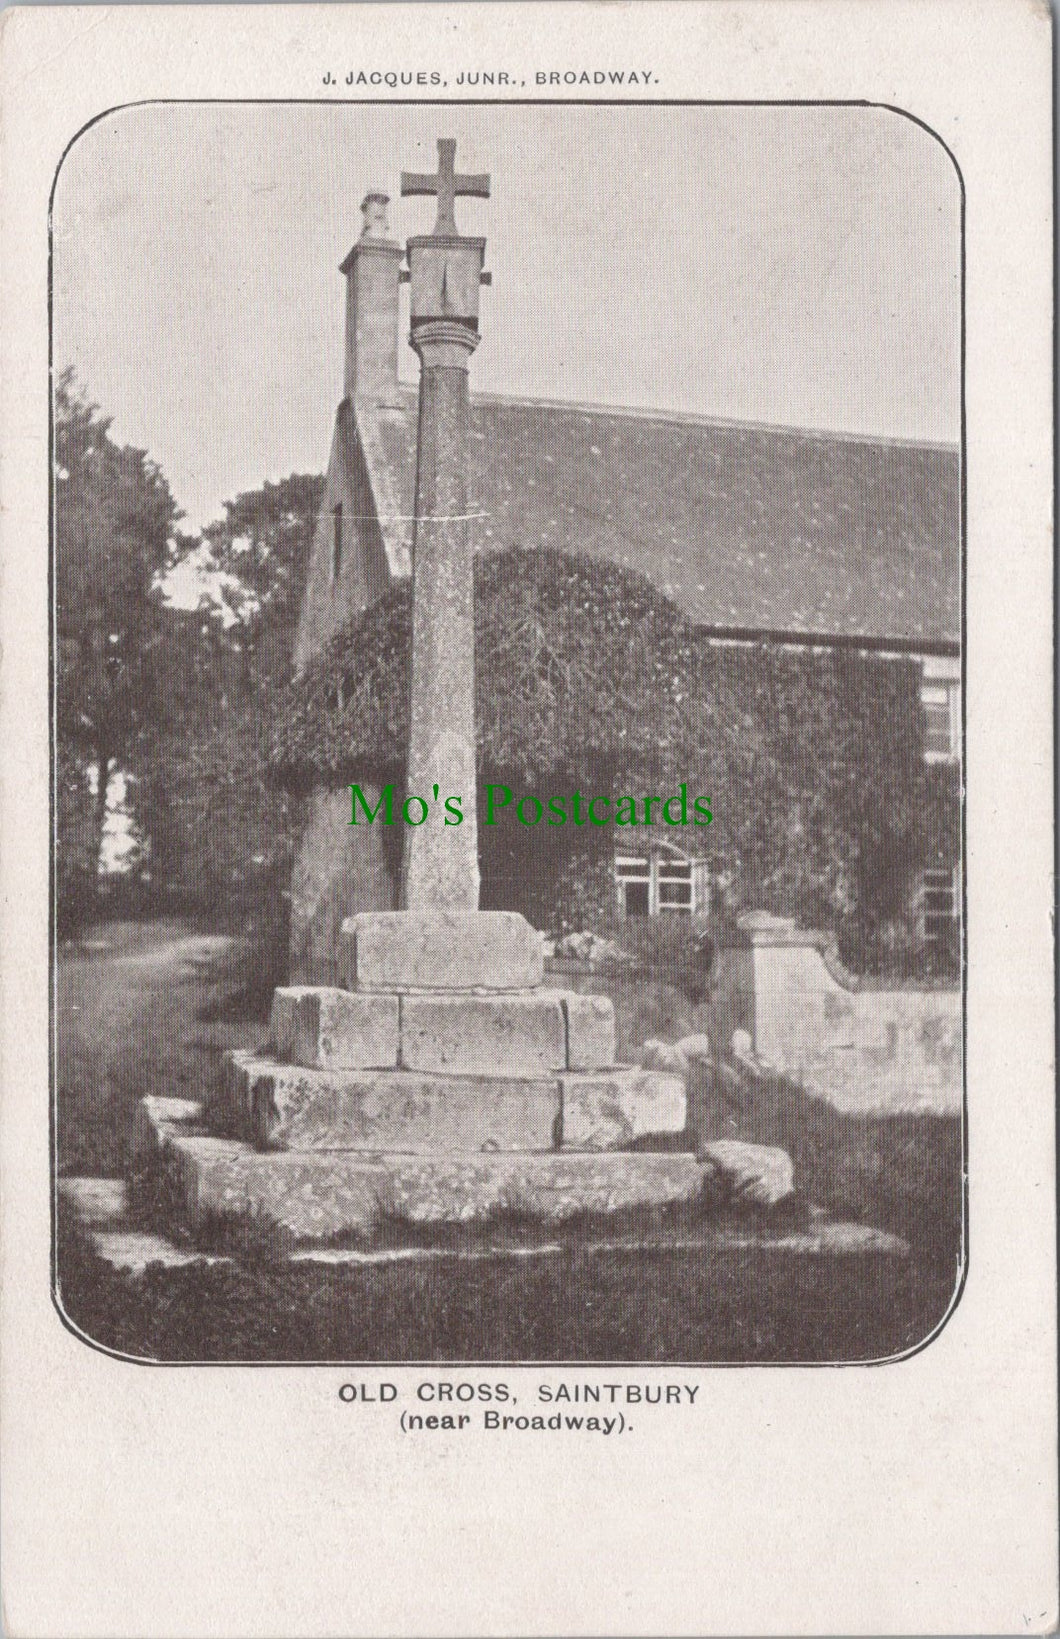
(614, 1306)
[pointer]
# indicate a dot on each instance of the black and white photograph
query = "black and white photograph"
(527, 708)
(507, 732)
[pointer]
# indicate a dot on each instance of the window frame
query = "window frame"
(663, 866)
(936, 922)
(947, 697)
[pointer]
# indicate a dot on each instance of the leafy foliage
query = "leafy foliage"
(587, 677)
(259, 552)
(114, 516)
(221, 831)
(580, 666)
(114, 520)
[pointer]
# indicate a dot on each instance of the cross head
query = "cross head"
(447, 184)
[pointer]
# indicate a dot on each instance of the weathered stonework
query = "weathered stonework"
(763, 1174)
(325, 1028)
(521, 1034)
(440, 950)
(315, 1195)
(590, 1024)
(611, 1109)
(867, 1048)
(283, 1106)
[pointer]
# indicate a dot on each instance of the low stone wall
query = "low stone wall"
(863, 1047)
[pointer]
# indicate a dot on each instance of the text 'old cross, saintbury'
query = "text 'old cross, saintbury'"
(447, 184)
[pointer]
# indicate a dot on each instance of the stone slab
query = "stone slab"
(315, 1195)
(99, 1204)
(287, 1106)
(134, 1251)
(322, 1028)
(611, 1109)
(762, 1173)
(521, 1034)
(440, 950)
(590, 1024)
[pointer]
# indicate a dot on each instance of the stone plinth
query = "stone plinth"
(285, 1106)
(449, 950)
(317, 1195)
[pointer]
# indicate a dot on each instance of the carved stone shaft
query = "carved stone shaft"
(440, 868)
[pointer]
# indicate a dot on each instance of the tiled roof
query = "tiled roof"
(744, 526)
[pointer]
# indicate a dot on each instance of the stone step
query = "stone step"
(525, 1033)
(515, 1033)
(591, 1035)
(119, 1242)
(315, 1195)
(289, 1106)
(611, 1109)
(522, 1034)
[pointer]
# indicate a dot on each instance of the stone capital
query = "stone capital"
(443, 344)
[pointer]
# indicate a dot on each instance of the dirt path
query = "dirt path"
(128, 997)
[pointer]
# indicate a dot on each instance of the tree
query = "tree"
(114, 518)
(220, 832)
(258, 554)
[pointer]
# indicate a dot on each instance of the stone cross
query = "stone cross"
(440, 865)
(447, 184)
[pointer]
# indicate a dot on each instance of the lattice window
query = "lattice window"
(659, 882)
(942, 720)
(939, 905)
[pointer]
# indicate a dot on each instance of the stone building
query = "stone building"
(760, 534)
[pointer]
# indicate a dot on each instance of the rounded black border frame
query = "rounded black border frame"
(508, 1365)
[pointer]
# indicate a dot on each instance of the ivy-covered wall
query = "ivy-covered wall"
(589, 679)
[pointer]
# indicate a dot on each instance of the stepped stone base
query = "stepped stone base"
(315, 1195)
(445, 1084)
(274, 1106)
(477, 1033)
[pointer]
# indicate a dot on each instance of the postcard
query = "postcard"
(528, 1084)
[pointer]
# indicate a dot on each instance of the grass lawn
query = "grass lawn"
(129, 1021)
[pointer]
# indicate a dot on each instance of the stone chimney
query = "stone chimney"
(371, 271)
